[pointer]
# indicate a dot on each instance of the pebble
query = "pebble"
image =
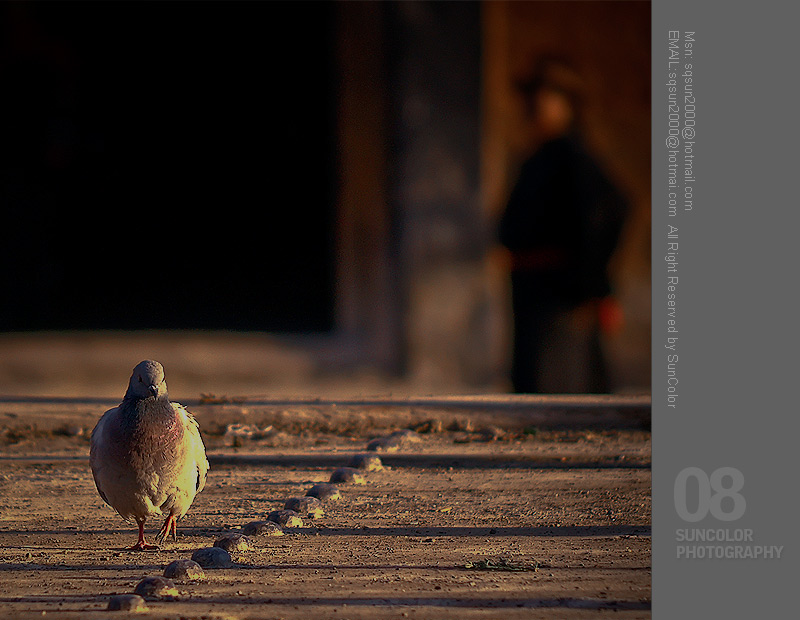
(324, 491)
(154, 588)
(247, 431)
(212, 557)
(491, 433)
(262, 528)
(433, 425)
(348, 475)
(285, 518)
(385, 444)
(184, 570)
(393, 441)
(234, 542)
(367, 462)
(463, 438)
(462, 425)
(126, 602)
(307, 505)
(406, 434)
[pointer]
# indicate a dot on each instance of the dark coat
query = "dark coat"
(562, 223)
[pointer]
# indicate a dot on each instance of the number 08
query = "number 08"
(708, 501)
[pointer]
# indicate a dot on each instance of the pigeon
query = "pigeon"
(147, 456)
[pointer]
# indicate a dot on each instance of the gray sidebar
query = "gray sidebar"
(725, 326)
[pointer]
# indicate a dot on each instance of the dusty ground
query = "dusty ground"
(414, 541)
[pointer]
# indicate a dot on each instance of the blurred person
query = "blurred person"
(561, 225)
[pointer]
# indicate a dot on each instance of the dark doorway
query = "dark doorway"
(168, 165)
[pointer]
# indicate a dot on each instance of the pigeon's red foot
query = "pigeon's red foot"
(170, 525)
(142, 544)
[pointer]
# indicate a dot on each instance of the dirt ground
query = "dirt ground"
(468, 520)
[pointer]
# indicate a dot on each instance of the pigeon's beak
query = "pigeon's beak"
(154, 390)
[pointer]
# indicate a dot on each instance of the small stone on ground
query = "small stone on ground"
(285, 518)
(307, 505)
(184, 570)
(324, 492)
(348, 475)
(262, 528)
(367, 462)
(384, 444)
(212, 557)
(234, 542)
(154, 588)
(126, 602)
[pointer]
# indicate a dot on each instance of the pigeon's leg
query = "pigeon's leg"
(170, 525)
(141, 544)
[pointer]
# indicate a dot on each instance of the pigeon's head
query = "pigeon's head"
(147, 380)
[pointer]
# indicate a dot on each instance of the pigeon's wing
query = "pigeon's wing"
(195, 450)
(102, 461)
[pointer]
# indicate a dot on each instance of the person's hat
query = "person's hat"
(552, 73)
